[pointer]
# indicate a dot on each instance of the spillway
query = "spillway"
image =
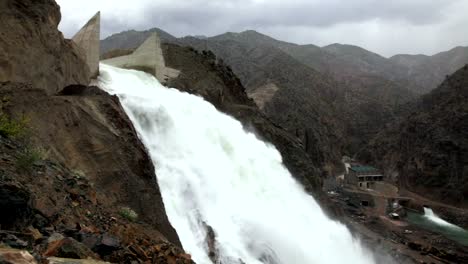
(213, 173)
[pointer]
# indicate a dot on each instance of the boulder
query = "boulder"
(14, 205)
(69, 248)
(74, 261)
(15, 256)
(106, 245)
(13, 241)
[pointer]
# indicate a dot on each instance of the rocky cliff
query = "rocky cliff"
(87, 131)
(33, 51)
(427, 151)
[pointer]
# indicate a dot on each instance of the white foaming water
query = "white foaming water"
(211, 172)
(431, 216)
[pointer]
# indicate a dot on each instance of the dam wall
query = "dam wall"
(148, 57)
(88, 40)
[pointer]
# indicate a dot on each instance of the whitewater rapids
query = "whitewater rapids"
(431, 216)
(212, 172)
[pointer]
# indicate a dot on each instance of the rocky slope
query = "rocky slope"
(29, 34)
(88, 131)
(426, 151)
(52, 211)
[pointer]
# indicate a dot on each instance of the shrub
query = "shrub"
(128, 214)
(12, 128)
(28, 157)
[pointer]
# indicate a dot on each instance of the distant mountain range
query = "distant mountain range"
(422, 73)
(335, 98)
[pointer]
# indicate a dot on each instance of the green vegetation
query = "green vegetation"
(12, 128)
(19, 131)
(128, 214)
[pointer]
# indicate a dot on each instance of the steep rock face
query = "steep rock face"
(428, 150)
(201, 74)
(33, 51)
(87, 130)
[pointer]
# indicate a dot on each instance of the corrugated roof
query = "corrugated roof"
(363, 168)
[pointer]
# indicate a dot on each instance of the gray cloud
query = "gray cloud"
(368, 23)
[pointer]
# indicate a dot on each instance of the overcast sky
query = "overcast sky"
(385, 27)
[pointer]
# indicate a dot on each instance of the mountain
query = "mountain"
(339, 61)
(418, 73)
(132, 39)
(429, 71)
(212, 79)
(426, 150)
(335, 98)
(302, 100)
(306, 97)
(284, 81)
(358, 103)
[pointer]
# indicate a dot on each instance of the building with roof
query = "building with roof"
(363, 176)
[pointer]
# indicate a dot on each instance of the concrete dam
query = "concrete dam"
(148, 57)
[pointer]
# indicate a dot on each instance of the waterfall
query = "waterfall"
(212, 172)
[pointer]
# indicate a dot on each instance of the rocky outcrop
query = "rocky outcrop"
(33, 51)
(87, 129)
(14, 256)
(427, 151)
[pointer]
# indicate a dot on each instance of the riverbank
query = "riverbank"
(366, 214)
